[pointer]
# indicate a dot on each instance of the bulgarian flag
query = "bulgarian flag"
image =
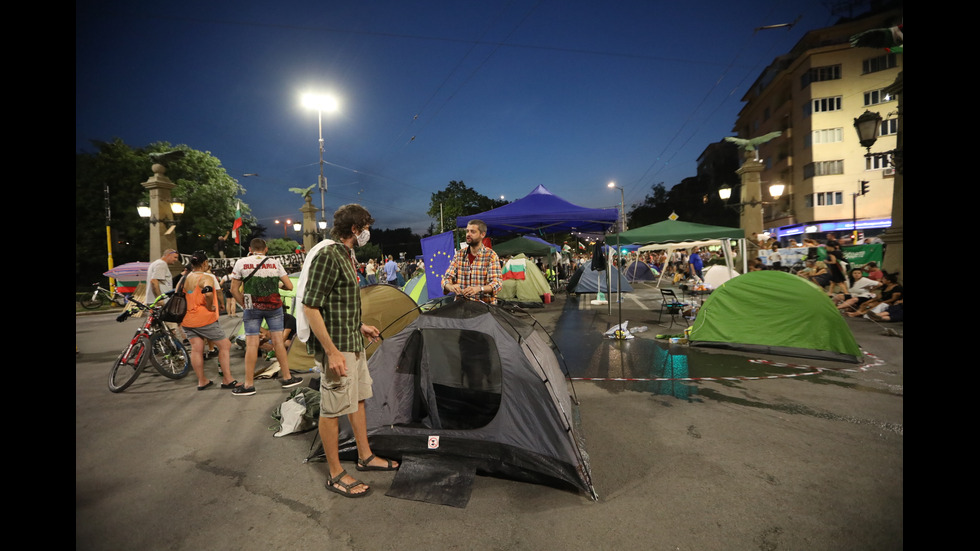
(514, 269)
(237, 224)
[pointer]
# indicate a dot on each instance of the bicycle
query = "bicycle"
(101, 296)
(153, 342)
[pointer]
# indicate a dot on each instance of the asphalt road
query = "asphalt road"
(790, 462)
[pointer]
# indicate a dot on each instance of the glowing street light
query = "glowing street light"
(321, 102)
(285, 226)
(622, 205)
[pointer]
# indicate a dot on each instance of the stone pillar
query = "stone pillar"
(311, 233)
(751, 215)
(894, 260)
(161, 232)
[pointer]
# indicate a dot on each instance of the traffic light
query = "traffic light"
(865, 186)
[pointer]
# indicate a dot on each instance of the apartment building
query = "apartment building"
(813, 94)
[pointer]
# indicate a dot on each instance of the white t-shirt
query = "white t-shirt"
(160, 271)
(862, 288)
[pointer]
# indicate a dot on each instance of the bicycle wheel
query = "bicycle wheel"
(92, 303)
(169, 356)
(128, 366)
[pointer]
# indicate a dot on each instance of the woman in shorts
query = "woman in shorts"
(201, 321)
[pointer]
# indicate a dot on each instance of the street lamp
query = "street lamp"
(176, 207)
(321, 102)
(775, 190)
(868, 127)
(285, 226)
(622, 204)
(620, 333)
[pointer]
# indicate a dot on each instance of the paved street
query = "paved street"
(810, 461)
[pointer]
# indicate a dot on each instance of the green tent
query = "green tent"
(773, 312)
(523, 282)
(671, 231)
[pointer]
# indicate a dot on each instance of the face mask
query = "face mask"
(363, 237)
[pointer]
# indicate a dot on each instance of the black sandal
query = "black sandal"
(363, 465)
(332, 484)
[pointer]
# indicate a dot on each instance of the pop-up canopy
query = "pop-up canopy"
(542, 211)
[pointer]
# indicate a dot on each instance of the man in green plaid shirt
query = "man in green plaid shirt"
(332, 304)
(475, 270)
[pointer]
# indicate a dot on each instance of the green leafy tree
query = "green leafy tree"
(208, 192)
(282, 246)
(458, 200)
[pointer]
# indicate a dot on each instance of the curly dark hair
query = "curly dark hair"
(347, 216)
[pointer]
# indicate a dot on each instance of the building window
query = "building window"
(880, 63)
(823, 168)
(818, 74)
(878, 162)
(827, 135)
(889, 127)
(821, 105)
(824, 199)
(875, 97)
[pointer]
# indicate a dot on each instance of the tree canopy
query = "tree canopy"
(458, 200)
(114, 173)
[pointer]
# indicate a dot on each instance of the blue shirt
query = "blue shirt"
(391, 270)
(695, 261)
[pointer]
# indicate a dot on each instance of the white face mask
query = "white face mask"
(363, 237)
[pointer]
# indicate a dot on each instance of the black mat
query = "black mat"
(434, 479)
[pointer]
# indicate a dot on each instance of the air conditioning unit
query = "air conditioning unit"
(890, 171)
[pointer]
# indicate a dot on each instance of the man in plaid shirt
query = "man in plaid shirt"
(475, 270)
(332, 305)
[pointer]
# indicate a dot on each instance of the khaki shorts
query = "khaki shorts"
(340, 396)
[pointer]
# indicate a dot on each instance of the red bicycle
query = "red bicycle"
(153, 341)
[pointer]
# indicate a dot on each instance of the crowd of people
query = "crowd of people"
(858, 291)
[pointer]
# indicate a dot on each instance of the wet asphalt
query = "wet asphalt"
(688, 450)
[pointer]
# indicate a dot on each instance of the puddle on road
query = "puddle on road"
(643, 364)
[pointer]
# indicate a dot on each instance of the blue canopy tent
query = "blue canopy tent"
(542, 211)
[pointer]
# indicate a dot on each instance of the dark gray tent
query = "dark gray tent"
(639, 271)
(476, 387)
(587, 280)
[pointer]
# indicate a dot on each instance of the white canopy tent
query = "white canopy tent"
(670, 247)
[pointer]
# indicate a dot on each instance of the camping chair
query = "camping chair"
(669, 303)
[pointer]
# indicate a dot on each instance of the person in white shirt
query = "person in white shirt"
(861, 290)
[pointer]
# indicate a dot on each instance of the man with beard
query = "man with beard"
(475, 269)
(332, 309)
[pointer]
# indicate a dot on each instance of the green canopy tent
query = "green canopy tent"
(674, 234)
(670, 231)
(527, 245)
(774, 312)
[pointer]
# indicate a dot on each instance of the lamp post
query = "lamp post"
(321, 103)
(285, 227)
(868, 127)
(620, 334)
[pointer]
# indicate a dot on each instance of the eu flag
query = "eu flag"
(438, 252)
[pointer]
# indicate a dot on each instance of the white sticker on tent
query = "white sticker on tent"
(433, 442)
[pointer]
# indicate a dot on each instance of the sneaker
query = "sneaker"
(290, 383)
(243, 391)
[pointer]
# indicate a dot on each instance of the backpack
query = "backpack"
(176, 307)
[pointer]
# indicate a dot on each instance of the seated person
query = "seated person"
(265, 338)
(894, 312)
(815, 271)
(860, 291)
(890, 292)
(874, 272)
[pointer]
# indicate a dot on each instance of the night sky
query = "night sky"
(501, 95)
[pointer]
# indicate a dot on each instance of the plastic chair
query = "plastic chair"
(670, 303)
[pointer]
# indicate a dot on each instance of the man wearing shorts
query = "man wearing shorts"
(255, 283)
(332, 308)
